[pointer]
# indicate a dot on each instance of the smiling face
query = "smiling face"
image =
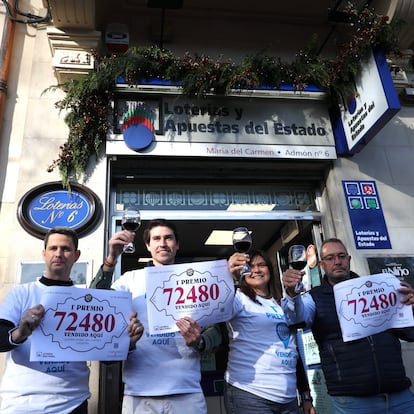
(162, 245)
(59, 256)
(260, 277)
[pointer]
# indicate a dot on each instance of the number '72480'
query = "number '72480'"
(382, 301)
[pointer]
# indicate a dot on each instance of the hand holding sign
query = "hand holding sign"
(370, 304)
(82, 325)
(202, 290)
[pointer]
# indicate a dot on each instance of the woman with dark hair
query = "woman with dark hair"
(263, 356)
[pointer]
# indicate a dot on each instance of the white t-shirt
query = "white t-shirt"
(161, 364)
(38, 387)
(262, 350)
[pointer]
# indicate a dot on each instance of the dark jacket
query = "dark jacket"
(367, 366)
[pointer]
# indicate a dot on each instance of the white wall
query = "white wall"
(31, 134)
(33, 130)
(388, 160)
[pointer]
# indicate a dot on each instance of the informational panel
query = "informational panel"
(365, 212)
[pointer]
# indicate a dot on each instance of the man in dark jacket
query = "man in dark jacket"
(364, 376)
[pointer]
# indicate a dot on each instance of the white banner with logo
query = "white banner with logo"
(82, 325)
(203, 291)
(369, 305)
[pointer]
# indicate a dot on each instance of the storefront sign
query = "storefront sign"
(362, 114)
(365, 212)
(232, 127)
(400, 266)
(49, 205)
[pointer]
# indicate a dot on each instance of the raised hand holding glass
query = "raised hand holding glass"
(297, 260)
(242, 242)
(131, 221)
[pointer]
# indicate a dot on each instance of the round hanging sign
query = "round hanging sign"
(49, 205)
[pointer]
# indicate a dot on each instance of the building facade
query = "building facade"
(267, 159)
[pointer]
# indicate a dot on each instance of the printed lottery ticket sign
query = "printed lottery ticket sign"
(202, 290)
(82, 325)
(369, 305)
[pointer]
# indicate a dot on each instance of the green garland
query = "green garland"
(88, 100)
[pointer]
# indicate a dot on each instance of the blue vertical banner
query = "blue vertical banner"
(365, 212)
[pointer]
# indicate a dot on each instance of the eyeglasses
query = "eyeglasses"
(332, 257)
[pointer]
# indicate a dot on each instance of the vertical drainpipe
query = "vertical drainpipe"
(5, 59)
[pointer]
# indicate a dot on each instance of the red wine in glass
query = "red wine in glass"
(297, 260)
(242, 246)
(130, 226)
(131, 221)
(299, 265)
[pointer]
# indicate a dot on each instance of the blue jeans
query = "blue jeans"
(238, 401)
(395, 403)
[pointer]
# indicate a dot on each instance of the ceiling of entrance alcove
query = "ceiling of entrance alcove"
(225, 172)
(193, 234)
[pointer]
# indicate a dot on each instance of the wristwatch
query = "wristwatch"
(306, 397)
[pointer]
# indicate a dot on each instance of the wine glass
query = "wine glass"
(297, 260)
(131, 220)
(242, 241)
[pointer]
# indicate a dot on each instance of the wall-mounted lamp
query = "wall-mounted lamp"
(117, 37)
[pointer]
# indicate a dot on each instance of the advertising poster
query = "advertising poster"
(400, 266)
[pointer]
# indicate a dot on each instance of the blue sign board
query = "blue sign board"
(365, 212)
(364, 112)
(49, 205)
(59, 208)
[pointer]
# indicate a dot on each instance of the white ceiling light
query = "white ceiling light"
(251, 207)
(219, 238)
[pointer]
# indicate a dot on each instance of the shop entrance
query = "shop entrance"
(272, 236)
(277, 201)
